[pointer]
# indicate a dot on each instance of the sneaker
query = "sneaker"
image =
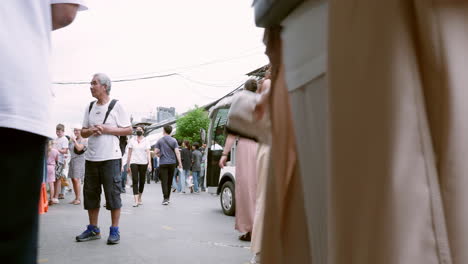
(114, 236)
(165, 202)
(91, 233)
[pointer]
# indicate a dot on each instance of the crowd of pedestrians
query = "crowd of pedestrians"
(102, 154)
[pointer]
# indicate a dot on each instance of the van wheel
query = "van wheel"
(227, 198)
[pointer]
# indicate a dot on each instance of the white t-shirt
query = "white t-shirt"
(25, 95)
(104, 147)
(59, 144)
(139, 154)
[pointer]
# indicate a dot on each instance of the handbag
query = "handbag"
(79, 152)
(241, 120)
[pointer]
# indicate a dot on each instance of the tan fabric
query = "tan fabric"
(398, 132)
(246, 184)
(285, 220)
(263, 158)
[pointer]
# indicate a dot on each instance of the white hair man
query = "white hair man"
(105, 120)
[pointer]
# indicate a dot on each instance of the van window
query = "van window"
(219, 129)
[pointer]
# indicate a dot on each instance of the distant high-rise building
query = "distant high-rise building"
(165, 113)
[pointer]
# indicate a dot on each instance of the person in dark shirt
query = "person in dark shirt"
(196, 166)
(186, 156)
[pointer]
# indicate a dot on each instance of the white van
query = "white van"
(220, 181)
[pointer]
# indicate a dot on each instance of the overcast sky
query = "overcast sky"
(211, 44)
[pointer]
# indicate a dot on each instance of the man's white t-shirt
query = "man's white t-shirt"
(139, 154)
(25, 83)
(104, 147)
(59, 144)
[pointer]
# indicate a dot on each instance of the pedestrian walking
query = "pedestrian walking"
(246, 178)
(139, 159)
(196, 166)
(52, 159)
(76, 169)
(60, 144)
(201, 181)
(104, 121)
(155, 167)
(186, 156)
(169, 156)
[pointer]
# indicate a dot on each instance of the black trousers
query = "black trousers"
(166, 173)
(138, 177)
(22, 164)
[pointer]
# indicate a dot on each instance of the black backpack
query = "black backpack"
(122, 139)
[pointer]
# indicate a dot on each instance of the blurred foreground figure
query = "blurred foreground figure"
(377, 172)
(25, 123)
(398, 131)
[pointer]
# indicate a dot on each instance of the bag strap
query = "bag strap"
(91, 106)
(109, 109)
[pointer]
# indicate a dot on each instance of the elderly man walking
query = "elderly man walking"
(104, 121)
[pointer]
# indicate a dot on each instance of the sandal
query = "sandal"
(76, 202)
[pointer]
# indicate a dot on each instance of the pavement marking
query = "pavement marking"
(42, 260)
(168, 228)
(223, 245)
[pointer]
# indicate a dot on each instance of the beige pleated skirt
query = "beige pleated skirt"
(398, 142)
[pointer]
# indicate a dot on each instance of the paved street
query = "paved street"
(192, 229)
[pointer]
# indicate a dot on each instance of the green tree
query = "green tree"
(189, 125)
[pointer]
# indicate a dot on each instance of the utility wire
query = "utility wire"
(152, 76)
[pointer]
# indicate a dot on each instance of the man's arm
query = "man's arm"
(63, 14)
(63, 150)
(116, 131)
(158, 152)
(87, 132)
(177, 152)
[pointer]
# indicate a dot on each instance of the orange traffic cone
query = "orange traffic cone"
(43, 202)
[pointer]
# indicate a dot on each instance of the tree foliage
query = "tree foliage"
(189, 125)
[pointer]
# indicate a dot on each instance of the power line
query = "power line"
(122, 80)
(176, 71)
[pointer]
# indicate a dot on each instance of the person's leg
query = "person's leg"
(134, 169)
(115, 217)
(24, 171)
(170, 174)
(165, 184)
(156, 173)
(142, 171)
(111, 180)
(150, 175)
(57, 185)
(77, 188)
(176, 180)
(51, 191)
(195, 180)
(92, 191)
(124, 176)
(182, 180)
(201, 180)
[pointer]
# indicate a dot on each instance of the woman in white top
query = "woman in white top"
(139, 159)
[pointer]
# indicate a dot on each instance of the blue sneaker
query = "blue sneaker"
(91, 233)
(114, 236)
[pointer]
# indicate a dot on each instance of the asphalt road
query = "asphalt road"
(192, 229)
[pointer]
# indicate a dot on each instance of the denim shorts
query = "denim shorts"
(106, 174)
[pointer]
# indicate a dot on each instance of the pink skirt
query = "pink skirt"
(50, 173)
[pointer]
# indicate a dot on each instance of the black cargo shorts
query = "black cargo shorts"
(105, 173)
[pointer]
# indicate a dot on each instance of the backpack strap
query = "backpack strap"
(109, 109)
(91, 106)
